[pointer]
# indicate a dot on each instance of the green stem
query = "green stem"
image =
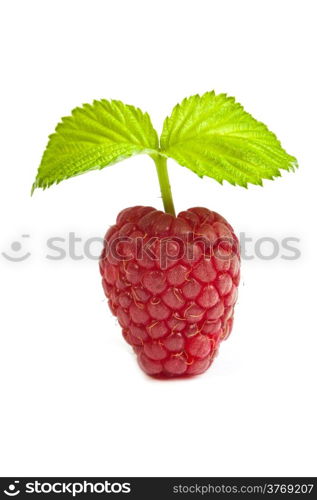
(162, 173)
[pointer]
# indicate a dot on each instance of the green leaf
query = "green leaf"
(93, 137)
(214, 136)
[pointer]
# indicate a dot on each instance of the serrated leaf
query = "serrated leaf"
(214, 136)
(93, 137)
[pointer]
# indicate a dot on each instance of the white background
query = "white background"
(73, 400)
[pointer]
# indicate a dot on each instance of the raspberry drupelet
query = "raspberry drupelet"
(172, 283)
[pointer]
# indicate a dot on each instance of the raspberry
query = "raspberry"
(172, 283)
(170, 280)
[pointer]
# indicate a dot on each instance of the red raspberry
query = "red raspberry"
(172, 283)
